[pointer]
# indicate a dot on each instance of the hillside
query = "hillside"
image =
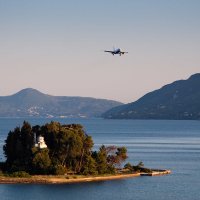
(178, 100)
(32, 103)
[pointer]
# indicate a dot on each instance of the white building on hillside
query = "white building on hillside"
(40, 143)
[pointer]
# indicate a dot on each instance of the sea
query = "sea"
(163, 144)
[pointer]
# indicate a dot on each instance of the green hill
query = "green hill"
(178, 100)
(32, 103)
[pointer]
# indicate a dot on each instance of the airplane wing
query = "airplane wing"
(123, 52)
(109, 51)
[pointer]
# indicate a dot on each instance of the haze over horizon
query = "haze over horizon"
(57, 47)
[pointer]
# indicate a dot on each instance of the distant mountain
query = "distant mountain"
(32, 103)
(178, 100)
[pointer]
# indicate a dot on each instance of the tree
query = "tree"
(65, 143)
(12, 146)
(116, 155)
(140, 164)
(68, 145)
(90, 166)
(86, 152)
(128, 166)
(101, 160)
(121, 155)
(27, 141)
(68, 148)
(17, 148)
(41, 162)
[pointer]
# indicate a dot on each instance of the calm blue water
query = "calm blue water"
(173, 145)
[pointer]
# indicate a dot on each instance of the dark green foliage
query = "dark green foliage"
(17, 148)
(128, 166)
(108, 158)
(2, 166)
(69, 148)
(20, 174)
(140, 164)
(67, 144)
(121, 155)
(90, 166)
(145, 170)
(101, 159)
(87, 164)
(41, 163)
(137, 168)
(59, 170)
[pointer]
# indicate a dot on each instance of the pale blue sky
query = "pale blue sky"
(56, 46)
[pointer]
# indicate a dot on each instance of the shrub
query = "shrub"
(20, 174)
(145, 170)
(59, 170)
(128, 166)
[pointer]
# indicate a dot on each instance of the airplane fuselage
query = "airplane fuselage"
(116, 51)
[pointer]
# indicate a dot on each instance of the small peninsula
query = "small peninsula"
(56, 153)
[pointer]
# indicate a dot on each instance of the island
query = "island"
(56, 153)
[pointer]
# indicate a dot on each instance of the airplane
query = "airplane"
(116, 51)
